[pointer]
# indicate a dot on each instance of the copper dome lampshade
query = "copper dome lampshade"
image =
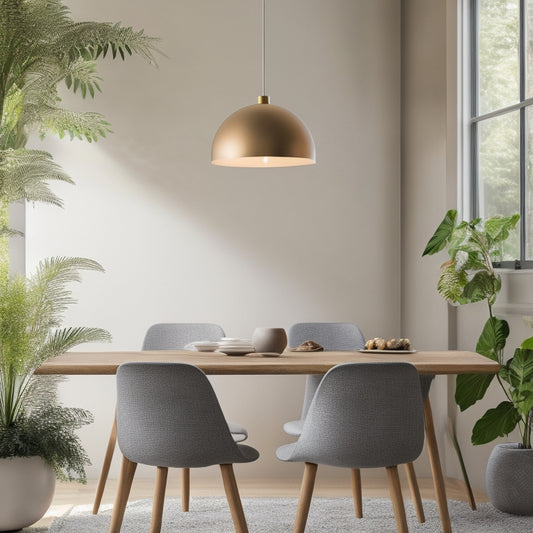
(263, 135)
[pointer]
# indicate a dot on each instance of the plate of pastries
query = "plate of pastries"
(379, 345)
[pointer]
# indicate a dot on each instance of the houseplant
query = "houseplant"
(467, 277)
(42, 48)
(35, 430)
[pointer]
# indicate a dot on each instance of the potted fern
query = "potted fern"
(469, 276)
(41, 48)
(38, 441)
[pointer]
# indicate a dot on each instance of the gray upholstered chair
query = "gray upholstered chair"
(168, 416)
(168, 336)
(344, 336)
(332, 336)
(384, 430)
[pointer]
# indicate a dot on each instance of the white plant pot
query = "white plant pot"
(27, 487)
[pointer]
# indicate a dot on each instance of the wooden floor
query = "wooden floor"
(70, 494)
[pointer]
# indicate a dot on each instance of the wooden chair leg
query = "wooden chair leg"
(415, 492)
(159, 499)
(234, 500)
(357, 493)
(105, 467)
(127, 471)
(397, 499)
(306, 493)
(185, 489)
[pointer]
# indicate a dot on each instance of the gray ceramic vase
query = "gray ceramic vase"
(272, 340)
(510, 479)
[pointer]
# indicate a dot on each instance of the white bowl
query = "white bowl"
(205, 346)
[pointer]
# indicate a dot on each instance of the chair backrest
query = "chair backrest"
(332, 336)
(364, 415)
(168, 415)
(175, 336)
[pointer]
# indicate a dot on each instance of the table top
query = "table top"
(427, 362)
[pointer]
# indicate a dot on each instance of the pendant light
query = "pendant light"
(263, 135)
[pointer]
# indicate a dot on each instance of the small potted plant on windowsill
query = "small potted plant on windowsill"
(468, 276)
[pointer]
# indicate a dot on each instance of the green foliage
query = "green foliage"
(442, 234)
(492, 339)
(527, 343)
(469, 388)
(452, 282)
(49, 431)
(42, 48)
(31, 312)
(24, 175)
(517, 374)
(497, 422)
(470, 277)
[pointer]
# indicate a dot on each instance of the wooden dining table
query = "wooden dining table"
(216, 363)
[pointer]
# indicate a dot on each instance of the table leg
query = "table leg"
(436, 468)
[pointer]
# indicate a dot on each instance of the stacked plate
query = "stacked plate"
(234, 346)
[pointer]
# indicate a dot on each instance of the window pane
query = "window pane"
(499, 58)
(529, 48)
(529, 186)
(499, 172)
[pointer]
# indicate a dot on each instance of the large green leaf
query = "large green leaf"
(457, 238)
(527, 343)
(492, 339)
(523, 399)
(451, 283)
(442, 234)
(469, 388)
(496, 422)
(520, 367)
(496, 289)
(519, 373)
(483, 286)
(498, 227)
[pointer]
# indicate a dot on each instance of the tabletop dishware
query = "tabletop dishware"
(269, 339)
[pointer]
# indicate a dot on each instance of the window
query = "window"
(500, 122)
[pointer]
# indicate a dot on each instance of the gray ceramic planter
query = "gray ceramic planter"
(510, 479)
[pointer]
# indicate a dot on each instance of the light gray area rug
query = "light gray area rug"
(276, 515)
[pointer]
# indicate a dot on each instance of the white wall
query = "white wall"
(425, 189)
(184, 241)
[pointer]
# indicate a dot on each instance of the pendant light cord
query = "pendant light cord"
(263, 48)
